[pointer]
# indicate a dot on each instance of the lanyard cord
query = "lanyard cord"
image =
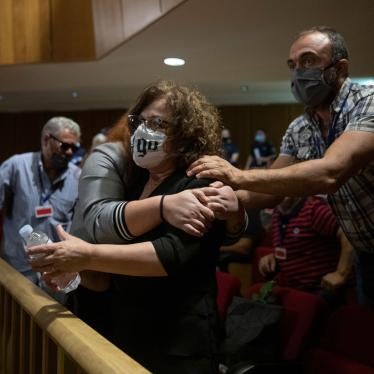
(46, 196)
(332, 131)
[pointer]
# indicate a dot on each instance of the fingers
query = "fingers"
(43, 268)
(267, 265)
(218, 209)
(207, 214)
(43, 263)
(209, 191)
(52, 274)
(50, 279)
(195, 228)
(200, 168)
(272, 265)
(50, 282)
(197, 163)
(262, 269)
(216, 184)
(40, 250)
(62, 234)
(200, 195)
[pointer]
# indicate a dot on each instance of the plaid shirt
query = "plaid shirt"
(353, 203)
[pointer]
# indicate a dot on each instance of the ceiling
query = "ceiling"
(235, 52)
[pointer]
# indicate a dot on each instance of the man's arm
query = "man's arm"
(256, 200)
(351, 152)
(243, 246)
(338, 278)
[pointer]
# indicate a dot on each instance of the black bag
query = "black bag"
(252, 332)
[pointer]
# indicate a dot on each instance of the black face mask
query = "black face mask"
(59, 162)
(311, 86)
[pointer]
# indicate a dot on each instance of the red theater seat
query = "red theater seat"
(347, 344)
(303, 315)
(228, 286)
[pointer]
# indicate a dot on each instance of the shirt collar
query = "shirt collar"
(341, 103)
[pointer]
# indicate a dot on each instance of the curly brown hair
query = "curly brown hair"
(196, 127)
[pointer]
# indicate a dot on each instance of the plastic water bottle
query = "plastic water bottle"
(65, 282)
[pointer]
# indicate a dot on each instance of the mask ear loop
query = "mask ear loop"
(329, 75)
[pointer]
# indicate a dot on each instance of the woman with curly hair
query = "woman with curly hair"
(163, 283)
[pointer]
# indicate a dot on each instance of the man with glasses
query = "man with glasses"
(329, 149)
(39, 189)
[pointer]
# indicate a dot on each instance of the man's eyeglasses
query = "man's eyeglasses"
(154, 123)
(65, 146)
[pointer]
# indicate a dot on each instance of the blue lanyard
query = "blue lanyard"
(331, 136)
(46, 196)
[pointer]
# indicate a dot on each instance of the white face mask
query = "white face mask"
(147, 147)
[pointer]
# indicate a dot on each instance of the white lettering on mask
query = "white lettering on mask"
(147, 147)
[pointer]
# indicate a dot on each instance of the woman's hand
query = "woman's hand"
(188, 211)
(69, 255)
(221, 200)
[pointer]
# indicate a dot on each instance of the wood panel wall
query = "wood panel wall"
(21, 131)
(243, 121)
(34, 31)
(24, 31)
(115, 21)
(72, 32)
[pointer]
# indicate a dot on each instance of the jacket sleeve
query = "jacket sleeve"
(98, 215)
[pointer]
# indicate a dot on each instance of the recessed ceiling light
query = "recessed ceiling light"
(74, 94)
(174, 61)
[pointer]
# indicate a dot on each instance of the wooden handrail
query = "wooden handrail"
(38, 335)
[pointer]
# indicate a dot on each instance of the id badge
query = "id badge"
(44, 211)
(280, 253)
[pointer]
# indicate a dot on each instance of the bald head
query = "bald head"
(337, 44)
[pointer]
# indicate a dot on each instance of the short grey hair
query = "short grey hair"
(56, 124)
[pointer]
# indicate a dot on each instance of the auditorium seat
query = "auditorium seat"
(301, 322)
(347, 343)
(303, 316)
(228, 286)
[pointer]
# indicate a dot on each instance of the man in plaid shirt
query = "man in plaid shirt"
(329, 149)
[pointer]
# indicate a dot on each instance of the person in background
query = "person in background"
(262, 153)
(98, 139)
(79, 156)
(310, 251)
(40, 189)
(241, 250)
(231, 151)
(327, 150)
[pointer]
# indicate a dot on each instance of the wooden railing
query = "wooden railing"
(40, 336)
